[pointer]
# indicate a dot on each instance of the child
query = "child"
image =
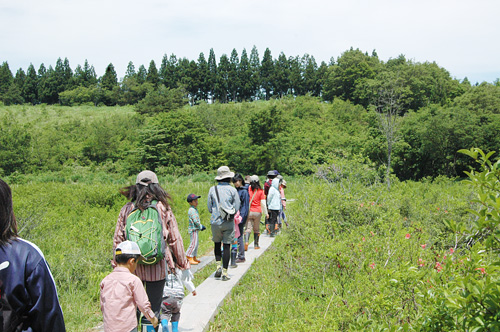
(194, 227)
(122, 292)
(173, 294)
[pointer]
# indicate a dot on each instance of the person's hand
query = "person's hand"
(267, 216)
(187, 275)
(154, 321)
(194, 293)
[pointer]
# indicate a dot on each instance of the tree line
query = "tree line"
(355, 76)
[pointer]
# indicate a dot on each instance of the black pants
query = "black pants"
(154, 289)
(218, 253)
(273, 220)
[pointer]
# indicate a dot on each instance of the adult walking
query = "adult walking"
(28, 295)
(242, 189)
(257, 208)
(141, 194)
(222, 198)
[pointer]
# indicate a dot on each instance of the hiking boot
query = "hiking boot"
(192, 261)
(240, 260)
(218, 273)
(196, 259)
(256, 241)
(225, 276)
(233, 260)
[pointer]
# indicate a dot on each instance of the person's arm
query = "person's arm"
(45, 314)
(142, 301)
(209, 200)
(174, 239)
(245, 205)
(236, 199)
(120, 235)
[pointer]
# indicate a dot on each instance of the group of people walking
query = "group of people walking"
(144, 282)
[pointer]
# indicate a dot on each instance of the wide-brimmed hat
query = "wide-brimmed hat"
(146, 177)
(223, 172)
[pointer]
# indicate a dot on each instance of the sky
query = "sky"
(461, 36)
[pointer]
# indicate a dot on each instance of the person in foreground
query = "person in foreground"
(122, 292)
(223, 197)
(28, 296)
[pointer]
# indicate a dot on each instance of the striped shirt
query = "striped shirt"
(171, 235)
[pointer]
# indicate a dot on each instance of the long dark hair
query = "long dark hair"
(8, 224)
(136, 193)
(255, 185)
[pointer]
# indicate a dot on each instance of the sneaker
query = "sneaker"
(256, 247)
(225, 277)
(234, 265)
(240, 260)
(218, 273)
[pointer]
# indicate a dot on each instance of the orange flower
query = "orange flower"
(481, 269)
(407, 236)
(423, 245)
(372, 265)
(452, 250)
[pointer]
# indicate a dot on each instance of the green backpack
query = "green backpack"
(145, 228)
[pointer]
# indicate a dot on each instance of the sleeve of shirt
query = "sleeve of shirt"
(120, 235)
(141, 299)
(174, 239)
(46, 313)
(209, 200)
(245, 204)
(236, 199)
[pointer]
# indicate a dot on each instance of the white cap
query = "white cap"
(128, 248)
(146, 177)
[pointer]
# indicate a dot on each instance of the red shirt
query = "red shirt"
(255, 202)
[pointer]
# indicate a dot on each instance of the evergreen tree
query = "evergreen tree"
(6, 79)
(89, 75)
(222, 79)
(203, 77)
(266, 73)
(152, 76)
(281, 80)
(130, 72)
(171, 75)
(141, 75)
(233, 83)
(20, 78)
(212, 75)
(255, 70)
(47, 89)
(296, 76)
(109, 79)
(321, 77)
(162, 72)
(245, 77)
(30, 87)
(310, 79)
(67, 76)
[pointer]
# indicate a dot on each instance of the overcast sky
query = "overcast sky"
(460, 35)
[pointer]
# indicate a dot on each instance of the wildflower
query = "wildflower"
(445, 211)
(371, 233)
(407, 236)
(361, 204)
(373, 203)
(363, 239)
(452, 250)
(423, 245)
(438, 267)
(421, 262)
(481, 269)
(438, 208)
(372, 265)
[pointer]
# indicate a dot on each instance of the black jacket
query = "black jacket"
(28, 296)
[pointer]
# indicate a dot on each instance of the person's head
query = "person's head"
(224, 174)
(192, 199)
(283, 183)
(238, 180)
(247, 179)
(8, 225)
(272, 174)
(146, 189)
(128, 254)
(254, 182)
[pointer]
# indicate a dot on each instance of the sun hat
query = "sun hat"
(128, 248)
(223, 172)
(192, 197)
(146, 177)
(254, 178)
(283, 183)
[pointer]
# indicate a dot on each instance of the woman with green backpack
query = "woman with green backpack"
(146, 196)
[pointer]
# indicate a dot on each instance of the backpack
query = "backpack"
(145, 228)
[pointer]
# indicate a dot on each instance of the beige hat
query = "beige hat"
(146, 177)
(254, 178)
(283, 183)
(223, 172)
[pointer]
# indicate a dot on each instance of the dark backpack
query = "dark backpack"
(145, 229)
